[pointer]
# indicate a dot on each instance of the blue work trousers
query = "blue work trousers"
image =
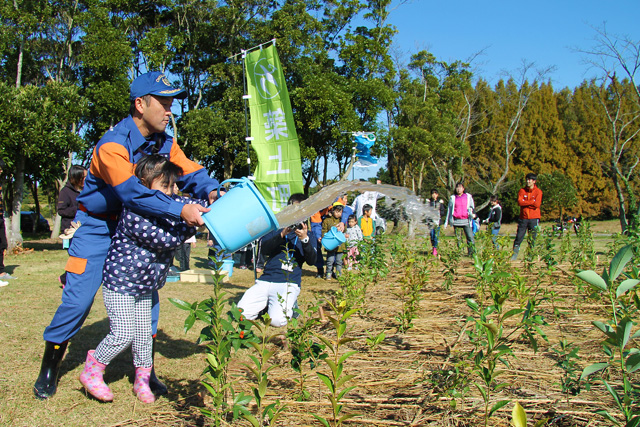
(87, 254)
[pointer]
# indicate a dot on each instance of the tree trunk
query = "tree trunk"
(34, 193)
(623, 210)
(14, 238)
(19, 67)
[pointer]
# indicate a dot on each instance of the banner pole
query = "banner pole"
(245, 96)
(245, 51)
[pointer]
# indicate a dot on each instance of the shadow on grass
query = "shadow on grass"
(42, 246)
(90, 336)
(187, 397)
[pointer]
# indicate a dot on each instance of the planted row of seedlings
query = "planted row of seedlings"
(411, 339)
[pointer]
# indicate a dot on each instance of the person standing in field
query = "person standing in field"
(67, 203)
(529, 200)
(438, 206)
(366, 223)
(334, 257)
(110, 186)
(460, 213)
(494, 220)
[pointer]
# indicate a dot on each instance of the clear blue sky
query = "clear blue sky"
(544, 32)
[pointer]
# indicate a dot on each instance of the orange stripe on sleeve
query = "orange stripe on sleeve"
(179, 158)
(111, 164)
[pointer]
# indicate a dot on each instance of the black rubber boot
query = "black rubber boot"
(47, 382)
(157, 387)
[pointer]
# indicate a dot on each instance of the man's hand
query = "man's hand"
(302, 233)
(213, 196)
(191, 214)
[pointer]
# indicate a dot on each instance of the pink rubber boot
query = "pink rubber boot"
(91, 379)
(141, 385)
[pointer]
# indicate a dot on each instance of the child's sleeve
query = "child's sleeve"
(157, 235)
(325, 226)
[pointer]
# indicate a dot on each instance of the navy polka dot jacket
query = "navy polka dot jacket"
(141, 251)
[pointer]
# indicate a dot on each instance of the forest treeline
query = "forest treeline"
(65, 68)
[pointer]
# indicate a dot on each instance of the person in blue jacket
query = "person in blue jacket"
(111, 185)
(277, 290)
(137, 264)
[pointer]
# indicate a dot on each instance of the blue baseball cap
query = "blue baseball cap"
(154, 83)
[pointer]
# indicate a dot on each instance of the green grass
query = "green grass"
(27, 306)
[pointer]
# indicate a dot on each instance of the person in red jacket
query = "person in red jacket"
(529, 199)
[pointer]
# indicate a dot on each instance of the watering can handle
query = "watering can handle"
(231, 180)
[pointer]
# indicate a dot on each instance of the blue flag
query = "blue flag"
(363, 143)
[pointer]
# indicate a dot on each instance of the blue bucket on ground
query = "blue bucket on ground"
(240, 216)
(332, 239)
(227, 265)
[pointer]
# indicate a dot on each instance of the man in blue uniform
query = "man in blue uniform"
(110, 185)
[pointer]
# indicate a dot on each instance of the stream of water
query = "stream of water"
(405, 204)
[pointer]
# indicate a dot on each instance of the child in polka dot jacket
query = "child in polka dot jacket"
(137, 263)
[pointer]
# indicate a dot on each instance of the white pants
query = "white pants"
(278, 297)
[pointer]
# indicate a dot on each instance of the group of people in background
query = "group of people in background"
(356, 221)
(460, 213)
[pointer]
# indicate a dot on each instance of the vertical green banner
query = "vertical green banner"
(279, 170)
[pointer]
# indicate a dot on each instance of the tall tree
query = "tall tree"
(621, 102)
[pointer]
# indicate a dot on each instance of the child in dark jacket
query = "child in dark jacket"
(137, 264)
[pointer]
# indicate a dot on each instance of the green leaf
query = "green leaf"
(324, 422)
(189, 321)
(498, 405)
(632, 363)
(519, 417)
(512, 313)
(242, 399)
(326, 342)
(619, 262)
(325, 379)
(333, 366)
(344, 379)
(345, 391)
(613, 394)
(346, 355)
(262, 387)
(483, 392)
(254, 422)
(593, 278)
(625, 286)
(592, 369)
(212, 360)
(473, 305)
(180, 304)
(608, 416)
(346, 340)
(346, 417)
(624, 331)
(607, 329)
